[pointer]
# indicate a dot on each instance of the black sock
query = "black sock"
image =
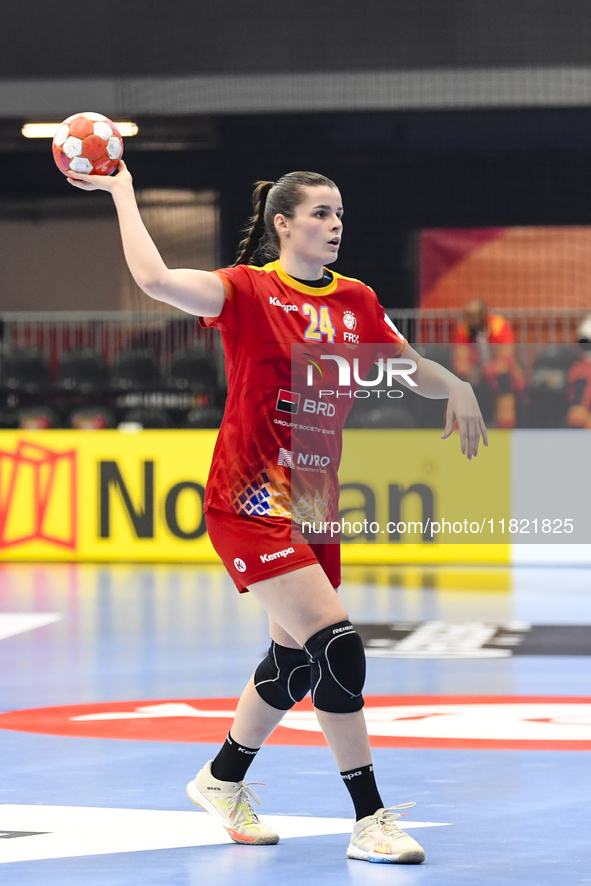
(233, 760)
(361, 784)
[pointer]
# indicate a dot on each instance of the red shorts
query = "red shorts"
(255, 548)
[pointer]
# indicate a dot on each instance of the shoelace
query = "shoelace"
(387, 817)
(245, 795)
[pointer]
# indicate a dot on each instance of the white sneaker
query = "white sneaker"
(230, 803)
(376, 838)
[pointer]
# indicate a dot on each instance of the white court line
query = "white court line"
(73, 831)
(12, 623)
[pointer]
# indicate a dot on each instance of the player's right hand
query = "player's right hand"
(101, 182)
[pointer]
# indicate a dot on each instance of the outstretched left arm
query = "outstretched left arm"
(438, 383)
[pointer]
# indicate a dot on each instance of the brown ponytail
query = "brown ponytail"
(270, 199)
(256, 229)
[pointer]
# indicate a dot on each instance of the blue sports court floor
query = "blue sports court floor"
(477, 707)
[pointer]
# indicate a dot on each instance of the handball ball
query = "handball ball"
(88, 143)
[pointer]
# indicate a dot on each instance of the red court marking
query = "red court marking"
(57, 721)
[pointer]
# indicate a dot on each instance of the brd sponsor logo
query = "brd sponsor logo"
(289, 401)
(319, 408)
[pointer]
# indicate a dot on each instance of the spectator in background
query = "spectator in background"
(484, 355)
(579, 381)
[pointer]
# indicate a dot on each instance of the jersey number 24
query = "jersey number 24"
(320, 327)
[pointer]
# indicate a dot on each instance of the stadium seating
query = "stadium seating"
(82, 371)
(91, 418)
(26, 370)
(203, 417)
(38, 418)
(546, 392)
(136, 370)
(148, 418)
(8, 418)
(193, 369)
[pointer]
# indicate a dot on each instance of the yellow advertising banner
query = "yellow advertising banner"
(115, 496)
(104, 495)
(427, 502)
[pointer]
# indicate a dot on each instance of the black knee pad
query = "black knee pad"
(283, 677)
(338, 668)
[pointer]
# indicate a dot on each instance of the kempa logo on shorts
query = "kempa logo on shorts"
(240, 565)
(273, 300)
(265, 558)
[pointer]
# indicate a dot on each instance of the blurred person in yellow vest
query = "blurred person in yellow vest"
(579, 381)
(484, 355)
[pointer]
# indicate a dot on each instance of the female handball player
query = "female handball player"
(261, 312)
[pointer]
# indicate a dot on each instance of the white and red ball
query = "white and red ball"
(89, 143)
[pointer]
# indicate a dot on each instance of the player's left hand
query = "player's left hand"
(108, 183)
(462, 407)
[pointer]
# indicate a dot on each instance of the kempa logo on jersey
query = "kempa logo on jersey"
(304, 459)
(273, 300)
(265, 558)
(393, 368)
(240, 565)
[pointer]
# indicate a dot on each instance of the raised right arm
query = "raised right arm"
(196, 292)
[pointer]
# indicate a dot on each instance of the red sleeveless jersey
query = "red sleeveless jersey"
(265, 312)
